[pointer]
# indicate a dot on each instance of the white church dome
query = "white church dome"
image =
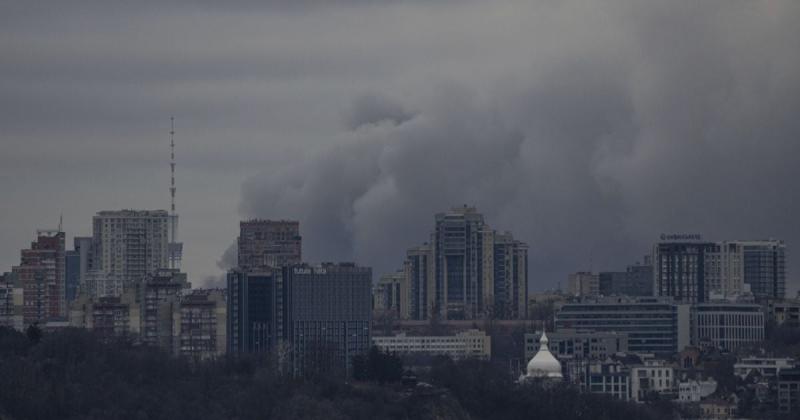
(544, 364)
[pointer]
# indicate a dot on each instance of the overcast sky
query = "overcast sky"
(585, 128)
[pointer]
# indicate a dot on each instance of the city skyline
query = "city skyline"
(579, 127)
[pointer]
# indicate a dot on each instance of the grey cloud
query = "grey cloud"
(374, 109)
(686, 126)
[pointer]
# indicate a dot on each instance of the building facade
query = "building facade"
(765, 267)
(329, 311)
(130, 244)
(201, 320)
(653, 325)
(463, 345)
(583, 284)
(390, 295)
(679, 268)
(11, 302)
(570, 344)
(159, 297)
(256, 311)
(41, 273)
(654, 377)
(727, 326)
(268, 244)
(468, 271)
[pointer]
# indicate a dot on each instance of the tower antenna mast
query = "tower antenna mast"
(172, 163)
(175, 248)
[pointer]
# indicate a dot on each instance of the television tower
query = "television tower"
(175, 248)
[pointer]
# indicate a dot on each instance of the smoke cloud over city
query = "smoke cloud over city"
(584, 128)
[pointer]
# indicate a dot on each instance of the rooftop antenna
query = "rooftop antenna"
(61, 222)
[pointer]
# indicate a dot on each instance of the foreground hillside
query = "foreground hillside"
(71, 374)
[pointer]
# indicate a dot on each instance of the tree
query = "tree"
(34, 333)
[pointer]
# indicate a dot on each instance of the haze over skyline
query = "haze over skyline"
(586, 129)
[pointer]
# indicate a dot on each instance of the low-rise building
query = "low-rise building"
(727, 326)
(695, 390)
(719, 409)
(467, 344)
(609, 377)
(784, 312)
(569, 344)
(653, 325)
(651, 378)
(766, 367)
(789, 391)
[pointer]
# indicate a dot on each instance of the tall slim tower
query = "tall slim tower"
(175, 248)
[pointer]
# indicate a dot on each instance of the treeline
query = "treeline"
(72, 374)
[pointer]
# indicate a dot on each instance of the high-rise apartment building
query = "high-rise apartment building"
(679, 267)
(458, 257)
(41, 273)
(329, 315)
(267, 244)
(467, 271)
(418, 269)
(130, 244)
(505, 278)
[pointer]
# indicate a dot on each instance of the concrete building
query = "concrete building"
(583, 284)
(201, 319)
(463, 345)
(695, 390)
(97, 284)
(639, 279)
(609, 377)
(766, 367)
(109, 316)
(654, 377)
(390, 295)
(719, 409)
(570, 344)
(789, 391)
(41, 274)
(268, 244)
(11, 302)
(727, 326)
(784, 312)
(329, 315)
(130, 244)
(159, 298)
(653, 325)
(679, 263)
